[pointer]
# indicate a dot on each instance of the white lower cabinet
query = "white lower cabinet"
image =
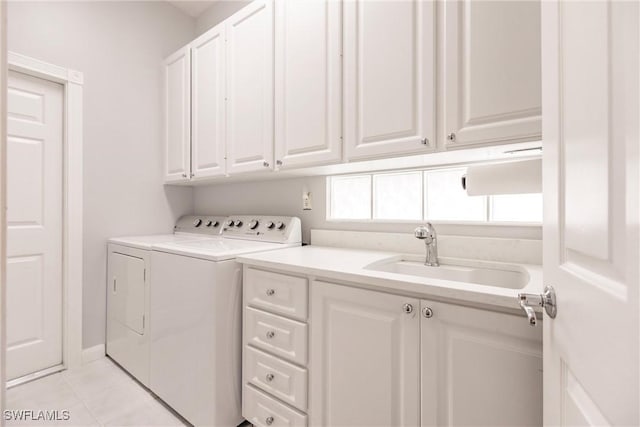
(381, 359)
(365, 357)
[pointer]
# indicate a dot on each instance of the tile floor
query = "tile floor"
(97, 394)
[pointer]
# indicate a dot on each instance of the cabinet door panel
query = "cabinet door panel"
(250, 88)
(308, 100)
(177, 131)
(364, 358)
(479, 368)
(491, 72)
(208, 104)
(389, 77)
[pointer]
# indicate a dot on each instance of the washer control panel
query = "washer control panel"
(280, 229)
(200, 224)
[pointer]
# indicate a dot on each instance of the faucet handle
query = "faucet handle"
(421, 232)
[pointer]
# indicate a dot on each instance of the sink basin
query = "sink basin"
(483, 273)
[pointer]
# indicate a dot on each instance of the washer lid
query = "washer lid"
(218, 249)
(147, 242)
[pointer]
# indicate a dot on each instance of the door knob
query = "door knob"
(547, 300)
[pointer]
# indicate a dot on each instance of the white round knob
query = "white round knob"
(253, 224)
(197, 222)
(209, 223)
(238, 223)
(279, 225)
(216, 223)
(270, 225)
(229, 222)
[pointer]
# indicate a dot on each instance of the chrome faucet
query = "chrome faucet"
(428, 233)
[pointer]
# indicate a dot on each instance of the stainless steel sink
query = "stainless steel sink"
(483, 273)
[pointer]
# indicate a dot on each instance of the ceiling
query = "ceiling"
(192, 8)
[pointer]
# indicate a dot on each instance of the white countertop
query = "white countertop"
(348, 265)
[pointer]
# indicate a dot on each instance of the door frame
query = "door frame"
(72, 82)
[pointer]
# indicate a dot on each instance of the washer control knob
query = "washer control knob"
(270, 225)
(253, 224)
(209, 223)
(280, 225)
(215, 224)
(229, 222)
(197, 222)
(238, 223)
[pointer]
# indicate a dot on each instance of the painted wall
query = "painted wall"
(119, 47)
(217, 13)
(284, 197)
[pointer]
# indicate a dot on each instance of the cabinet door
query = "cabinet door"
(208, 104)
(308, 95)
(364, 358)
(491, 72)
(177, 112)
(479, 368)
(389, 84)
(250, 88)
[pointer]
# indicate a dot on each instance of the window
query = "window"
(433, 195)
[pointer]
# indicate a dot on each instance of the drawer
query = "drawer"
(277, 335)
(285, 381)
(277, 293)
(264, 411)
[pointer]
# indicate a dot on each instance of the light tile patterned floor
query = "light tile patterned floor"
(97, 394)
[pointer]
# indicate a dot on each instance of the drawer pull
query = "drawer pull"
(271, 292)
(271, 334)
(270, 377)
(269, 420)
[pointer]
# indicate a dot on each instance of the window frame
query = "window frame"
(424, 172)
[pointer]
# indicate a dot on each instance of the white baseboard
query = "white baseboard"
(93, 353)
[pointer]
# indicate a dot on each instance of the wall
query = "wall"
(217, 13)
(119, 47)
(284, 197)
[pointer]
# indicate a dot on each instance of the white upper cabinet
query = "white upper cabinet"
(208, 116)
(364, 366)
(250, 38)
(308, 85)
(177, 125)
(389, 85)
(491, 72)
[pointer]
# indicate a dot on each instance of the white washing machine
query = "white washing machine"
(128, 278)
(195, 307)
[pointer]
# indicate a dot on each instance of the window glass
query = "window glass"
(516, 207)
(445, 199)
(397, 196)
(351, 197)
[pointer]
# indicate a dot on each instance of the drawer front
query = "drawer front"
(277, 377)
(277, 335)
(264, 411)
(277, 293)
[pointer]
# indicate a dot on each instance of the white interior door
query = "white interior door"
(590, 135)
(34, 222)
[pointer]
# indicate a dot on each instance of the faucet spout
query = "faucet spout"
(428, 233)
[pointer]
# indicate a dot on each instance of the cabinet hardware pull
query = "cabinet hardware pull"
(451, 137)
(407, 308)
(270, 377)
(271, 292)
(427, 312)
(269, 420)
(184, 175)
(424, 141)
(279, 162)
(271, 334)
(265, 164)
